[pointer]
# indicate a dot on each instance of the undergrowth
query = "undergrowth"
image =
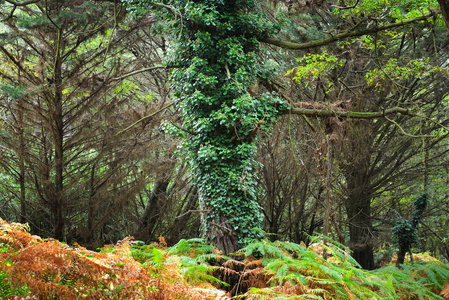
(47, 269)
(50, 269)
(298, 272)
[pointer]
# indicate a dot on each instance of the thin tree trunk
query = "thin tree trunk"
(444, 6)
(58, 139)
(21, 161)
(328, 198)
(401, 256)
(180, 223)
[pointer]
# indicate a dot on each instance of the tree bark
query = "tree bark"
(444, 6)
(21, 160)
(358, 207)
(226, 238)
(58, 140)
(401, 256)
(152, 211)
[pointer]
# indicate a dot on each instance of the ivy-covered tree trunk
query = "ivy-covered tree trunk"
(405, 231)
(217, 51)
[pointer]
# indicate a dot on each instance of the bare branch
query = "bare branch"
(137, 72)
(343, 35)
(346, 7)
(193, 211)
(146, 117)
(404, 132)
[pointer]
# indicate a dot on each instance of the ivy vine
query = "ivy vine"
(215, 44)
(405, 231)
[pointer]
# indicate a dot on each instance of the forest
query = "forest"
(209, 149)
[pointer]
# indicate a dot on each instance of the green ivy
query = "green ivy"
(405, 231)
(216, 46)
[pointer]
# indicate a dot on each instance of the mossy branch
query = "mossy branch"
(349, 114)
(340, 36)
(23, 3)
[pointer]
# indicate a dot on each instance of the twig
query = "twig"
(144, 118)
(138, 72)
(183, 129)
(405, 133)
(349, 114)
(346, 7)
(24, 3)
(222, 227)
(446, 246)
(193, 211)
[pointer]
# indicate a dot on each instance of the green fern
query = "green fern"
(416, 281)
(336, 277)
(277, 249)
(197, 270)
(7, 289)
(437, 273)
(144, 253)
(195, 247)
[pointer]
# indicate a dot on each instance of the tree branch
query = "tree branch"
(404, 132)
(193, 211)
(343, 35)
(138, 71)
(348, 114)
(24, 3)
(146, 117)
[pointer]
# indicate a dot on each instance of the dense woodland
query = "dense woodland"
(233, 121)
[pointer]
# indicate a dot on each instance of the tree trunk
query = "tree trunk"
(21, 160)
(152, 211)
(180, 226)
(226, 238)
(444, 6)
(358, 207)
(58, 139)
(401, 256)
(219, 231)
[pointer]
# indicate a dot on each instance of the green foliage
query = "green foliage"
(405, 231)
(147, 253)
(417, 281)
(314, 67)
(196, 271)
(12, 92)
(399, 10)
(300, 273)
(192, 247)
(8, 289)
(216, 48)
(194, 256)
(394, 70)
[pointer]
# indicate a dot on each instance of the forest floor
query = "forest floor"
(36, 268)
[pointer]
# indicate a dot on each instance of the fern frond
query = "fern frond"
(7, 289)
